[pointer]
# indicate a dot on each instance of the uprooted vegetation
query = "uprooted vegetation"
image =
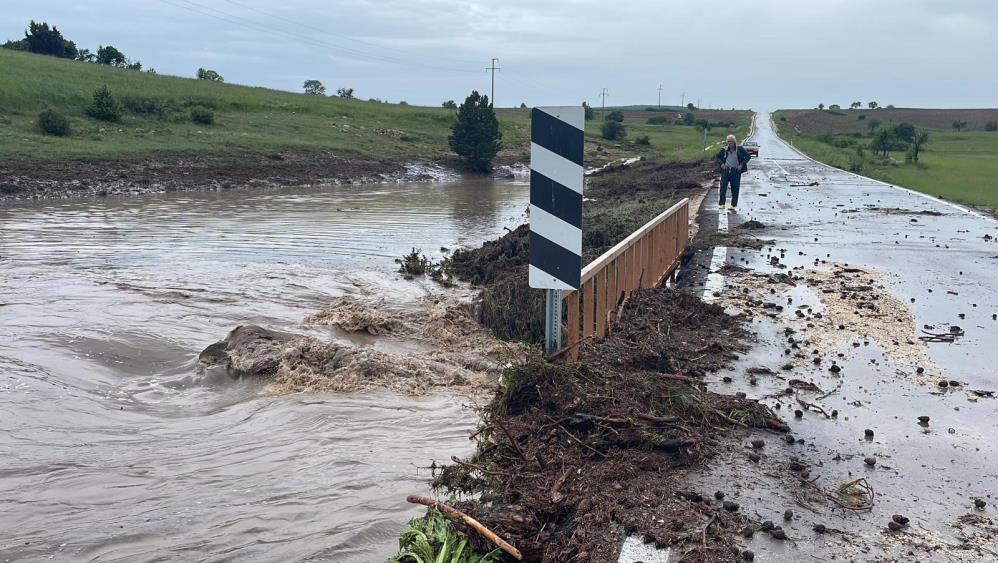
(620, 199)
(572, 457)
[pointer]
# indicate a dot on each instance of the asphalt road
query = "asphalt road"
(940, 262)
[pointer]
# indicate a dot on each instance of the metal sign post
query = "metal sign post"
(556, 176)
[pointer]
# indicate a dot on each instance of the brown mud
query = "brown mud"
(573, 457)
(27, 180)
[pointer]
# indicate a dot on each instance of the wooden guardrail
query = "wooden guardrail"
(644, 259)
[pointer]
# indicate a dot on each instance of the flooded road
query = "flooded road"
(115, 448)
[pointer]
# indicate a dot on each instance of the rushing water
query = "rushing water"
(113, 447)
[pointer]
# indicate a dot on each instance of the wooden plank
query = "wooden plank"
(588, 324)
(600, 284)
(612, 294)
(572, 301)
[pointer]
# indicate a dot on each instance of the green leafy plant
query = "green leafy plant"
(617, 116)
(644, 140)
(613, 130)
(475, 136)
(432, 539)
(202, 116)
(414, 264)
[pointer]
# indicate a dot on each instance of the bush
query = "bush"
(658, 120)
(475, 136)
(613, 130)
(991, 126)
(783, 118)
(104, 107)
(141, 105)
(643, 140)
(690, 118)
(861, 117)
(202, 116)
(615, 116)
(53, 123)
(414, 264)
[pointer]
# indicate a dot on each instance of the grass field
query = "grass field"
(958, 166)
(156, 121)
(254, 120)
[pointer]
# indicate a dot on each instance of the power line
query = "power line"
(659, 96)
(603, 95)
(493, 68)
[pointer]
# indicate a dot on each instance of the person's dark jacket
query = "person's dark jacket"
(743, 158)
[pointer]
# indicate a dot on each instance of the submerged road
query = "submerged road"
(924, 265)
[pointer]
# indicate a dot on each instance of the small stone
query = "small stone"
(979, 503)
(748, 532)
(919, 370)
(923, 419)
(758, 443)
(834, 368)
(868, 433)
(799, 413)
(730, 506)
(748, 555)
(871, 461)
(796, 465)
(954, 383)
(820, 528)
(778, 533)
(754, 458)
(789, 439)
(767, 526)
(944, 384)
(903, 520)
(726, 379)
(788, 515)
(719, 495)
(835, 413)
(894, 526)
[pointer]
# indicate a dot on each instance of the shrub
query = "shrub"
(141, 105)
(53, 123)
(203, 116)
(414, 263)
(104, 107)
(475, 136)
(658, 120)
(643, 140)
(689, 119)
(991, 126)
(783, 118)
(615, 116)
(613, 130)
(590, 113)
(861, 117)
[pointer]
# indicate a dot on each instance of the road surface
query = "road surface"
(919, 264)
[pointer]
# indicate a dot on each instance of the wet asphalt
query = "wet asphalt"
(939, 259)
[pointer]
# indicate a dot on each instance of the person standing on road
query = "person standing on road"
(732, 160)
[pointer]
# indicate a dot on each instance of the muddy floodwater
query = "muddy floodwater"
(114, 447)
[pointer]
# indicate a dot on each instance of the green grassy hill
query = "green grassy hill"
(156, 118)
(956, 165)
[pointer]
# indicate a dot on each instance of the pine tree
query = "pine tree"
(475, 135)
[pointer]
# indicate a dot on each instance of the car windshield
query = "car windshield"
(751, 143)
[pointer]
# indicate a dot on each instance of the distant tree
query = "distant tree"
(475, 136)
(834, 107)
(19, 45)
(590, 113)
(703, 124)
(523, 105)
(209, 75)
(403, 103)
(134, 65)
(613, 130)
(873, 124)
(855, 105)
(110, 56)
(376, 100)
(861, 117)
(104, 107)
(151, 70)
(890, 106)
(84, 55)
(314, 88)
(40, 38)
(52, 123)
(959, 125)
(449, 104)
(821, 107)
(689, 118)
(882, 142)
(344, 92)
(991, 126)
(904, 133)
(918, 142)
(615, 115)
(690, 106)
(872, 105)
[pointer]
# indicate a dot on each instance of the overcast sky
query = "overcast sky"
(762, 54)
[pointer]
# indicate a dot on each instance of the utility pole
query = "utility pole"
(683, 104)
(659, 96)
(603, 95)
(493, 68)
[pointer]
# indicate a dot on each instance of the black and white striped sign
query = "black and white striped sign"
(556, 174)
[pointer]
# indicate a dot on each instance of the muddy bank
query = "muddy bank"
(25, 180)
(572, 458)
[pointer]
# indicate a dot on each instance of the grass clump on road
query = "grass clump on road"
(433, 539)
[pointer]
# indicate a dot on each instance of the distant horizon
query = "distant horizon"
(788, 55)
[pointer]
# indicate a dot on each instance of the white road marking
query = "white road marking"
(715, 280)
